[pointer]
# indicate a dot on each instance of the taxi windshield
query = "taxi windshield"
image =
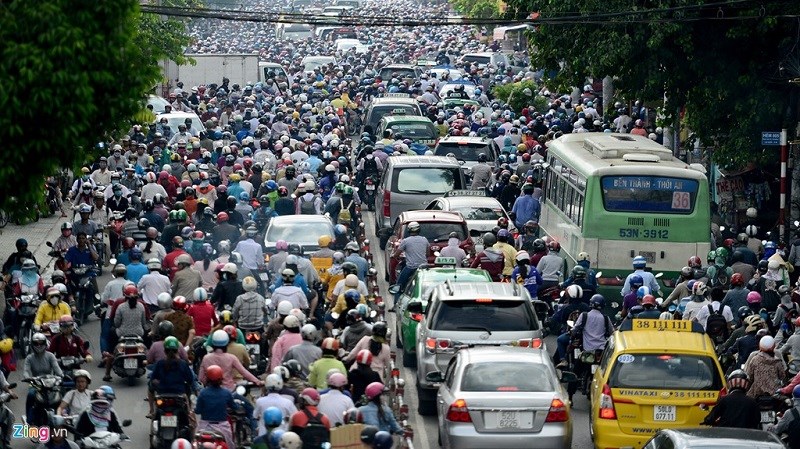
(665, 372)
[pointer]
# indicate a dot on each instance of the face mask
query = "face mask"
(114, 182)
(85, 177)
(132, 302)
(53, 300)
(118, 193)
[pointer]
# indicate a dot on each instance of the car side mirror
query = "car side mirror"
(437, 377)
(415, 307)
(568, 377)
(126, 423)
(394, 289)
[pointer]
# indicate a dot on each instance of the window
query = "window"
(302, 233)
(415, 130)
(465, 151)
(438, 231)
(508, 377)
(649, 194)
(478, 59)
(665, 372)
(427, 181)
(450, 371)
(379, 112)
(497, 316)
(480, 212)
(566, 190)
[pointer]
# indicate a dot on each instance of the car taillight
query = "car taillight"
(607, 410)
(458, 411)
(387, 210)
(416, 316)
(534, 343)
(437, 344)
(558, 411)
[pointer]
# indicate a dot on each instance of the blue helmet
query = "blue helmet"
(641, 292)
(769, 245)
(597, 301)
(639, 262)
(244, 196)
(136, 253)
(273, 417)
(275, 438)
(796, 392)
(272, 185)
(636, 281)
(109, 392)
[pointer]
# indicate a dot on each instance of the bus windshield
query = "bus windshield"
(649, 194)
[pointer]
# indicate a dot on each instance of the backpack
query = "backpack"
(370, 166)
(344, 212)
(716, 324)
(307, 207)
(315, 432)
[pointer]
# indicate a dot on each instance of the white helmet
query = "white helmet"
(308, 332)
(249, 284)
(583, 255)
(291, 440)
(200, 294)
(284, 308)
(751, 230)
(273, 382)
(154, 264)
(751, 212)
(291, 322)
(574, 291)
(82, 373)
(230, 268)
(164, 300)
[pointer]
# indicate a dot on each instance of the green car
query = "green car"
(414, 300)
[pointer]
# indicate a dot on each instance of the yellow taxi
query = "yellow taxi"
(654, 374)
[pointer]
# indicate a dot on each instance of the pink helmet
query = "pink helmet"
(281, 245)
(337, 380)
(374, 390)
(311, 396)
(754, 298)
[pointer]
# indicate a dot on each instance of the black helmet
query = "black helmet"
(232, 202)
(737, 256)
(144, 223)
(597, 301)
(165, 329)
(744, 312)
(295, 249)
(489, 239)
(379, 329)
(482, 157)
(294, 367)
(349, 268)
(539, 245)
(762, 266)
(578, 272)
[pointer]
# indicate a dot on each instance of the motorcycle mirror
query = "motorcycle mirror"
(12, 385)
(112, 261)
(335, 315)
(598, 275)
(721, 228)
(570, 323)
(659, 301)
(797, 223)
(373, 314)
(126, 423)
(50, 244)
(658, 275)
(240, 390)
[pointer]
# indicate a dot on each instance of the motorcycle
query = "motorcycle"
(370, 184)
(6, 418)
(115, 231)
(103, 439)
(100, 247)
(130, 358)
(26, 307)
(87, 299)
(170, 422)
(53, 194)
(240, 421)
(47, 397)
(771, 408)
(68, 366)
(201, 438)
(58, 257)
(258, 360)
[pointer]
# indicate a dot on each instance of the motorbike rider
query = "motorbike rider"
(249, 308)
(581, 276)
(300, 422)
(735, 409)
(356, 328)
(27, 280)
(229, 288)
(99, 416)
(415, 248)
(317, 371)
(702, 314)
(368, 166)
(306, 352)
(153, 284)
(186, 279)
(526, 274)
(84, 254)
(335, 403)
(39, 362)
(52, 309)
(639, 265)
(551, 265)
(526, 207)
(503, 244)
(764, 369)
(351, 252)
(78, 400)
(490, 259)
(453, 249)
(594, 327)
(66, 343)
(738, 265)
(790, 422)
(572, 295)
(699, 300)
(58, 438)
(526, 239)
(273, 402)
(171, 375)
(252, 253)
(748, 343)
(66, 240)
(377, 346)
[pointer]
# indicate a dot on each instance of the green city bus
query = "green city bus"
(617, 196)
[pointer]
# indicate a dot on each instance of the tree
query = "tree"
(484, 9)
(725, 67)
(520, 95)
(75, 71)
(166, 37)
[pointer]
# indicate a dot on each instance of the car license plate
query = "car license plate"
(509, 419)
(664, 413)
(169, 421)
(370, 186)
(767, 416)
(255, 349)
(130, 363)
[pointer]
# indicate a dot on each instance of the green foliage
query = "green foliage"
(730, 76)
(74, 73)
(166, 37)
(484, 9)
(514, 94)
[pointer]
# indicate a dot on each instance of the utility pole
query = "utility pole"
(784, 161)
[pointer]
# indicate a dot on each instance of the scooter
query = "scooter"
(47, 397)
(86, 297)
(370, 184)
(26, 307)
(6, 418)
(170, 422)
(103, 439)
(258, 360)
(240, 422)
(130, 358)
(771, 407)
(202, 437)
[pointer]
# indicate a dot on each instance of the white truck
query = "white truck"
(211, 68)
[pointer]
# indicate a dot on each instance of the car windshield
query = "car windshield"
(507, 376)
(494, 316)
(437, 231)
(379, 112)
(415, 130)
(464, 151)
(480, 212)
(179, 120)
(389, 73)
(428, 181)
(665, 372)
(476, 59)
(298, 232)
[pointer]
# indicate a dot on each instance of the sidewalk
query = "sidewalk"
(36, 233)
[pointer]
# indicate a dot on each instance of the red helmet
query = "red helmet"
(214, 373)
(649, 300)
(222, 216)
(737, 279)
(130, 290)
(330, 344)
(199, 235)
(231, 331)
(728, 243)
(237, 167)
(179, 303)
(364, 357)
(554, 246)
(695, 262)
(754, 298)
(502, 222)
(186, 183)
(128, 242)
(526, 157)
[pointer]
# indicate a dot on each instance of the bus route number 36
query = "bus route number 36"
(629, 233)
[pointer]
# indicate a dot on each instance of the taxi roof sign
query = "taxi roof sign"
(399, 111)
(445, 261)
(639, 325)
(464, 192)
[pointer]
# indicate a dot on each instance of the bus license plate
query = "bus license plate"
(664, 413)
(767, 417)
(169, 421)
(130, 363)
